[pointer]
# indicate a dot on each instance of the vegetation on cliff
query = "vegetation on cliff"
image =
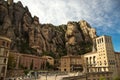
(30, 36)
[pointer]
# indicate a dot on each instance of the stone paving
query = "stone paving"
(56, 77)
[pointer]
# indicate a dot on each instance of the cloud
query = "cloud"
(99, 13)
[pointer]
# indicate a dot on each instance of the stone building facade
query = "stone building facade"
(117, 58)
(4, 53)
(103, 60)
(71, 63)
(27, 61)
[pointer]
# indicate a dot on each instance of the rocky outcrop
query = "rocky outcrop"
(30, 36)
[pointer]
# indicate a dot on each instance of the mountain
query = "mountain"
(30, 36)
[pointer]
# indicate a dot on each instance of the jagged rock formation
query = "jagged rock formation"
(30, 36)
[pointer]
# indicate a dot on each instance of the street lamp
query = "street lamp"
(46, 75)
(86, 67)
(55, 76)
(36, 75)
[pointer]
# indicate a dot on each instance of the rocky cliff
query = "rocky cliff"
(30, 36)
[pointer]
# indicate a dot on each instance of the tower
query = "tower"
(106, 56)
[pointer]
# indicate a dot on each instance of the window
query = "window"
(105, 62)
(3, 69)
(93, 59)
(102, 39)
(3, 43)
(64, 65)
(64, 69)
(90, 59)
(7, 44)
(86, 60)
(98, 42)
(100, 63)
(4, 60)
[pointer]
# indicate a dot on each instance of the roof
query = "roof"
(47, 57)
(72, 56)
(90, 53)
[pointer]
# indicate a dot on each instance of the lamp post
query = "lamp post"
(86, 73)
(86, 67)
(55, 76)
(36, 75)
(46, 76)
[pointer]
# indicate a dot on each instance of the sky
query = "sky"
(103, 15)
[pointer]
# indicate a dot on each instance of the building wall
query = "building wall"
(4, 53)
(106, 56)
(91, 62)
(117, 57)
(27, 61)
(68, 63)
(65, 64)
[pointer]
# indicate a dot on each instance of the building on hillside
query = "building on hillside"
(91, 62)
(4, 53)
(104, 58)
(27, 61)
(117, 58)
(49, 59)
(72, 63)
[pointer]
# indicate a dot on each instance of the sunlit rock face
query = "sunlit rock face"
(87, 30)
(28, 35)
(89, 33)
(73, 34)
(73, 37)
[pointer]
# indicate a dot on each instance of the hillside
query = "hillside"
(30, 36)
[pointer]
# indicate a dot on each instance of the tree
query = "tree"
(49, 66)
(117, 78)
(31, 65)
(11, 62)
(26, 71)
(102, 78)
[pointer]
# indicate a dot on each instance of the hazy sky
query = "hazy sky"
(104, 15)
